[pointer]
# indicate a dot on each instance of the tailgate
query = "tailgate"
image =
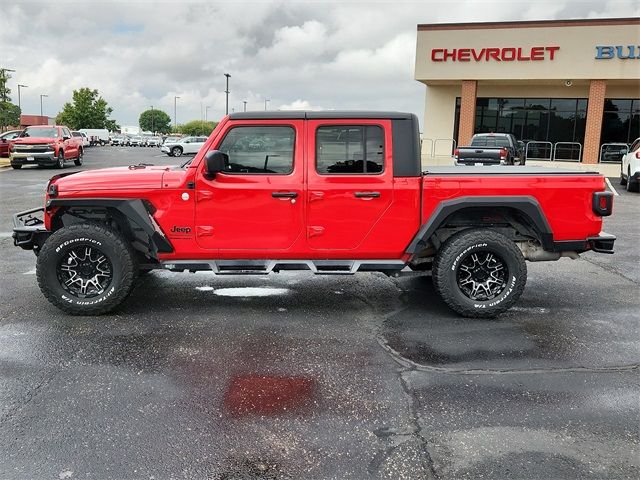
(482, 155)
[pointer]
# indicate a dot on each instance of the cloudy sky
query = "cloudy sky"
(298, 54)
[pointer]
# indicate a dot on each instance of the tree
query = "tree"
(155, 121)
(9, 114)
(5, 91)
(197, 127)
(87, 110)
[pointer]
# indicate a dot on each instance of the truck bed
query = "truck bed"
(502, 170)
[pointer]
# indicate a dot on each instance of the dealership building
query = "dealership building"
(569, 89)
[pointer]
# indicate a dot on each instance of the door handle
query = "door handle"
(367, 194)
(284, 194)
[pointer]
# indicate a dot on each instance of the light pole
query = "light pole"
(19, 103)
(244, 106)
(206, 113)
(265, 103)
(175, 110)
(42, 95)
(153, 129)
(227, 92)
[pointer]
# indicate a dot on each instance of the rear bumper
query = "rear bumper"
(479, 162)
(603, 243)
(29, 232)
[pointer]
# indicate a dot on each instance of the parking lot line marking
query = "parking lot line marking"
(611, 187)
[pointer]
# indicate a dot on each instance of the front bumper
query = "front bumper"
(29, 232)
(164, 149)
(33, 158)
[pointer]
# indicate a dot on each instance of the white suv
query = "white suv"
(630, 168)
(184, 145)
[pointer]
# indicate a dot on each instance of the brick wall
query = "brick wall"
(595, 111)
(467, 111)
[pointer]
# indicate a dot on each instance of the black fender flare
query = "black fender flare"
(529, 206)
(137, 211)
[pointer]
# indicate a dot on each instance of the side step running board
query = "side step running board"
(261, 267)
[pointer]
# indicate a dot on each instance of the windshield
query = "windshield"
(40, 132)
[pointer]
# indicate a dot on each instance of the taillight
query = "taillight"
(602, 203)
(503, 154)
(638, 154)
(456, 152)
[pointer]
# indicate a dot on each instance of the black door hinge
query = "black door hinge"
(191, 185)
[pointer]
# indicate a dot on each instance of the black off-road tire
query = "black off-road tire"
(461, 246)
(108, 242)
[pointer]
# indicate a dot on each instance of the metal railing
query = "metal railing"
(548, 146)
(451, 141)
(620, 150)
(424, 145)
(571, 148)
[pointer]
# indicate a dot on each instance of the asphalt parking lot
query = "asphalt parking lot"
(299, 376)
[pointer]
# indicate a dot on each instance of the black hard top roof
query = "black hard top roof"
(303, 114)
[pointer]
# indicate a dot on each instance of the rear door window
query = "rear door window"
(349, 149)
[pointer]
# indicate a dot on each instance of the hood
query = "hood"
(33, 140)
(119, 178)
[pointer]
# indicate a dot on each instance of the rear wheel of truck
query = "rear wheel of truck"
(86, 269)
(479, 273)
(78, 161)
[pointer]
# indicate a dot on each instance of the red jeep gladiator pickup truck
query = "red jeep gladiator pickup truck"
(46, 145)
(330, 192)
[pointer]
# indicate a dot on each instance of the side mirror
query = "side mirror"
(3, 140)
(66, 137)
(215, 161)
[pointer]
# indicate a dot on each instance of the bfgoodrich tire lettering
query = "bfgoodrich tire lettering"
(490, 255)
(100, 241)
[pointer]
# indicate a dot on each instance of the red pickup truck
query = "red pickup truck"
(329, 192)
(45, 145)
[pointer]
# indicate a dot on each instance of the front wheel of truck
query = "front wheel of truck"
(479, 273)
(86, 269)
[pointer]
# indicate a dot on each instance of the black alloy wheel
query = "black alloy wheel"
(482, 275)
(85, 272)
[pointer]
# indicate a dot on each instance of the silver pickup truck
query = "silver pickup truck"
(491, 149)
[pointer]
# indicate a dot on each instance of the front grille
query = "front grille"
(32, 148)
